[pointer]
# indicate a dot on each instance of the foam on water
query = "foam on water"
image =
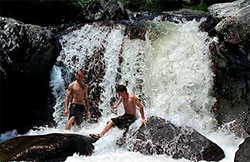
(179, 77)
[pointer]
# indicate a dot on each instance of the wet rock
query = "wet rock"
(242, 154)
(27, 54)
(247, 123)
(105, 10)
(48, 147)
(235, 128)
(26, 49)
(158, 136)
(232, 80)
(234, 20)
(179, 16)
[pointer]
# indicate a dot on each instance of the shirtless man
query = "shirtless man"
(79, 93)
(130, 101)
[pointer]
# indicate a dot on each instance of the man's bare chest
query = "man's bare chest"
(77, 89)
(128, 103)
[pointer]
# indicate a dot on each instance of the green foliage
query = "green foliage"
(143, 5)
(82, 3)
(151, 5)
(201, 7)
(188, 1)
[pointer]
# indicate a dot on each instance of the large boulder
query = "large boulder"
(232, 60)
(27, 54)
(50, 147)
(159, 136)
(26, 49)
(242, 154)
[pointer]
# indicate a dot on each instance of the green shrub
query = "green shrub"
(200, 7)
(82, 3)
(144, 5)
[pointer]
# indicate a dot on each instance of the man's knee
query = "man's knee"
(111, 122)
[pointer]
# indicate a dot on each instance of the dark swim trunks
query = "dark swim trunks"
(79, 112)
(124, 121)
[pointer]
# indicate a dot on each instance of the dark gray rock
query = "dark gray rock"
(26, 49)
(235, 128)
(27, 54)
(50, 147)
(158, 136)
(232, 59)
(171, 16)
(242, 154)
(105, 10)
(247, 123)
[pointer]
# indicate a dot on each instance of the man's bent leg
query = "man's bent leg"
(69, 123)
(107, 128)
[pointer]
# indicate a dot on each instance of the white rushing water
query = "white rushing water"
(170, 70)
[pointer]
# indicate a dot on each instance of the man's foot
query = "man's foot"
(95, 136)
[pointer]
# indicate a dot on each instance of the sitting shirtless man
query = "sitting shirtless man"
(79, 93)
(130, 101)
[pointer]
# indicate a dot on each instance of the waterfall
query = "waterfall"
(179, 82)
(119, 61)
(169, 70)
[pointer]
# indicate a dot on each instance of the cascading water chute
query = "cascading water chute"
(179, 77)
(170, 70)
(107, 58)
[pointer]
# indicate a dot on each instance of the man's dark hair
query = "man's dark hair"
(79, 72)
(121, 88)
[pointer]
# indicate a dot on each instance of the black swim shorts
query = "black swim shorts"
(124, 121)
(79, 112)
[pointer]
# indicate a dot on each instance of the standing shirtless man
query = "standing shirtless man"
(130, 101)
(79, 93)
